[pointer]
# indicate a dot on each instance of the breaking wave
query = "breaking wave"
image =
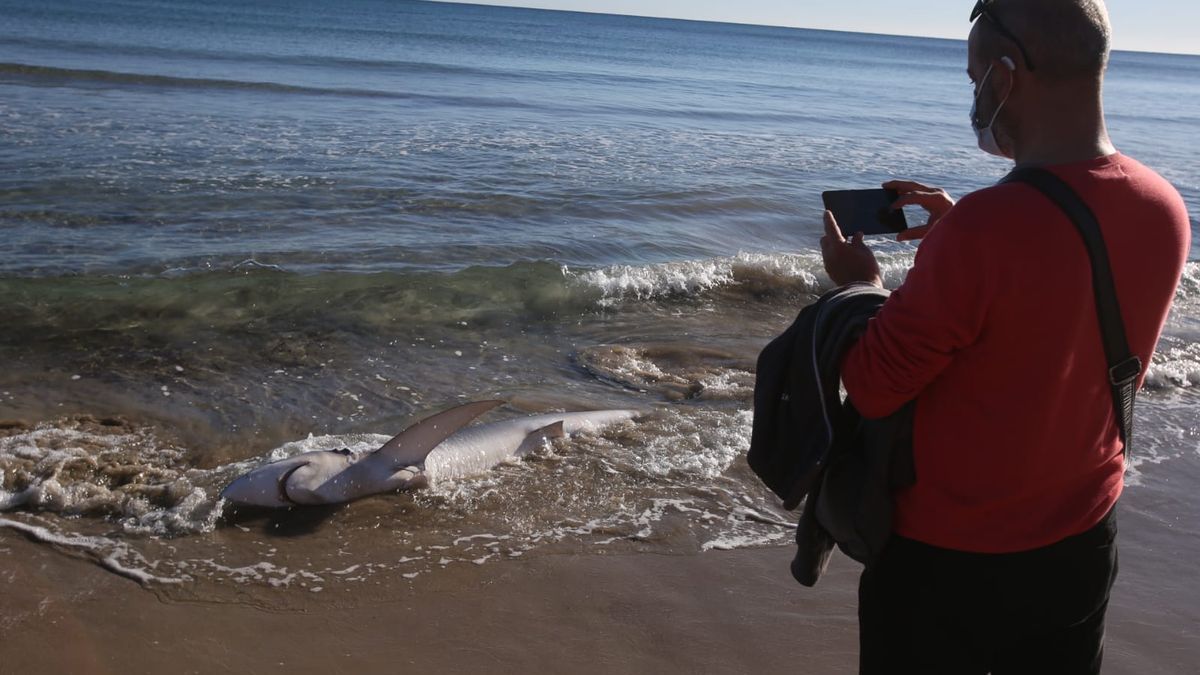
(754, 274)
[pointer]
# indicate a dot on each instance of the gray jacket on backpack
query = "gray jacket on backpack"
(850, 503)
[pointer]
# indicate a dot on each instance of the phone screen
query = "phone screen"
(866, 211)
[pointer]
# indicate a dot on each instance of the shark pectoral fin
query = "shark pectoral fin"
(284, 495)
(408, 478)
(537, 438)
(411, 446)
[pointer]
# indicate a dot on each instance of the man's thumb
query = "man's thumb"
(831, 228)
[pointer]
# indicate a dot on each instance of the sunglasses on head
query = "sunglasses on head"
(981, 9)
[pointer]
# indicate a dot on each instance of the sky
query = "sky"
(1140, 25)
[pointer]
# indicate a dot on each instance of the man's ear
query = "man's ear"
(1004, 80)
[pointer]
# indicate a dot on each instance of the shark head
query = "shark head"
(291, 481)
(266, 485)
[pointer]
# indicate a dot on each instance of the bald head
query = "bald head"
(1065, 39)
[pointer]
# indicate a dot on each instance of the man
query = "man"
(1003, 554)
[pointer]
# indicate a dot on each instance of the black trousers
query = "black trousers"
(924, 609)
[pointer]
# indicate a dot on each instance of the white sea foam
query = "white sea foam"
(730, 384)
(1189, 283)
(83, 469)
(109, 554)
(681, 278)
(355, 443)
(745, 540)
(802, 272)
(1166, 428)
(703, 444)
(712, 375)
(1174, 367)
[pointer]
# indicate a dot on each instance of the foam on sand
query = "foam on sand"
(112, 556)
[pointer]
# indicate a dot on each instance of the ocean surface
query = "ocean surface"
(236, 231)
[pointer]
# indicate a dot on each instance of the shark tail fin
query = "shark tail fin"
(411, 446)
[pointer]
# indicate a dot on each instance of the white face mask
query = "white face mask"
(986, 136)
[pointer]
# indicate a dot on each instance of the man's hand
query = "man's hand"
(933, 200)
(847, 261)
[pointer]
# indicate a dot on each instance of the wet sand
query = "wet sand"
(716, 612)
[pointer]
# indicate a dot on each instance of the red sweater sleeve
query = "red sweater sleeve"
(937, 311)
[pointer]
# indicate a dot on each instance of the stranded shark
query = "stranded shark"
(439, 447)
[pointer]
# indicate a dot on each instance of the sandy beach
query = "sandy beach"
(724, 612)
(716, 612)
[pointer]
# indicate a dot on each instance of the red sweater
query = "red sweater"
(995, 335)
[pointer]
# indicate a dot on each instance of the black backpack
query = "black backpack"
(783, 452)
(794, 419)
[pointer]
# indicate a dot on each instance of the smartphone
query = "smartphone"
(866, 211)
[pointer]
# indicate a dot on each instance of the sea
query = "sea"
(235, 231)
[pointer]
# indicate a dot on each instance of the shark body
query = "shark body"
(440, 447)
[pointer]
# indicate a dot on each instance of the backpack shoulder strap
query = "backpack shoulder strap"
(1123, 367)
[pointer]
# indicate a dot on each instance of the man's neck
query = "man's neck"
(1067, 130)
(1066, 153)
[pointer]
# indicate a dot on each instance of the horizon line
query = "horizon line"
(760, 25)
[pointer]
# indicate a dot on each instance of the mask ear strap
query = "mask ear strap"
(1012, 68)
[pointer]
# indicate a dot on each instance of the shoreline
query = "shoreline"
(728, 611)
(714, 612)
